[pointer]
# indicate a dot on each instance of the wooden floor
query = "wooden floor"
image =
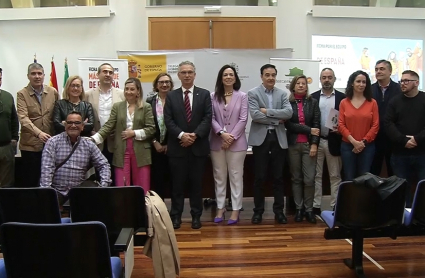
(291, 250)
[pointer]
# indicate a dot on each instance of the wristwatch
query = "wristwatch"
(220, 132)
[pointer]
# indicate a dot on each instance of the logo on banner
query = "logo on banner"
(292, 73)
(94, 82)
(145, 67)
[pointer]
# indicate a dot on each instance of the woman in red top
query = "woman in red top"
(358, 123)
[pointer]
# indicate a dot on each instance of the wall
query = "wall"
(127, 29)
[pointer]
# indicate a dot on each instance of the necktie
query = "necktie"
(187, 106)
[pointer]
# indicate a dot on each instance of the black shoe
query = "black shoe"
(257, 218)
(310, 217)
(299, 215)
(177, 221)
(196, 222)
(280, 218)
(317, 211)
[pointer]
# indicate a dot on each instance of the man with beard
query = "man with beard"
(405, 124)
(384, 89)
(330, 139)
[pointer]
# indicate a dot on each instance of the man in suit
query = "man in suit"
(384, 89)
(330, 139)
(35, 111)
(102, 99)
(269, 108)
(187, 116)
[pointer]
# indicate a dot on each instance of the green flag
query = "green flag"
(66, 75)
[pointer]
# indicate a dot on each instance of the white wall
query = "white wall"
(128, 30)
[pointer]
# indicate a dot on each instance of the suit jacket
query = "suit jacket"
(334, 139)
(152, 100)
(233, 118)
(92, 96)
(176, 122)
(143, 119)
(281, 110)
(35, 117)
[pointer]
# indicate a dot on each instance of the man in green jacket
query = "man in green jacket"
(9, 126)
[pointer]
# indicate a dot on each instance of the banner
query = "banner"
(87, 69)
(288, 68)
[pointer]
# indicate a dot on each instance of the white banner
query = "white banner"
(87, 69)
(288, 68)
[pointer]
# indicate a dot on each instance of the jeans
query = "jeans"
(405, 167)
(356, 164)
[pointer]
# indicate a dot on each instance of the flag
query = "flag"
(66, 75)
(53, 78)
(35, 58)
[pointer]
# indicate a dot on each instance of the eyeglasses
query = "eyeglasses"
(76, 86)
(73, 123)
(187, 72)
(165, 82)
(406, 81)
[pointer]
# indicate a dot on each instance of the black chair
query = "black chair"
(30, 205)
(361, 213)
(58, 250)
(416, 216)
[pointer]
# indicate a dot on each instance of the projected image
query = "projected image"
(348, 54)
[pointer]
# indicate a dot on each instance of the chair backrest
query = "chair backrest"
(418, 207)
(56, 250)
(116, 207)
(29, 205)
(359, 206)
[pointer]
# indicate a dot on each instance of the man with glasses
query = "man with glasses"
(102, 98)
(9, 126)
(187, 116)
(67, 157)
(405, 124)
(384, 89)
(35, 111)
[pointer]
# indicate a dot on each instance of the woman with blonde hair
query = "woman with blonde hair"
(134, 127)
(303, 139)
(72, 100)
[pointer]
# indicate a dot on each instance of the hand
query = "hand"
(263, 110)
(86, 120)
(128, 133)
(187, 140)
(228, 138)
(313, 150)
(63, 123)
(158, 147)
(358, 146)
(164, 149)
(315, 131)
(44, 137)
(411, 143)
(225, 145)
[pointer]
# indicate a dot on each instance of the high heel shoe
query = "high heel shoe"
(220, 219)
(232, 221)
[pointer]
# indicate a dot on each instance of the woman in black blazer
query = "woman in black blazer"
(160, 172)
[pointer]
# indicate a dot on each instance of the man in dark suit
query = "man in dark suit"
(330, 139)
(383, 91)
(187, 116)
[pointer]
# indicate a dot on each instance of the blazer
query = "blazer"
(35, 117)
(334, 138)
(143, 119)
(312, 120)
(152, 100)
(233, 117)
(176, 122)
(63, 107)
(92, 96)
(281, 110)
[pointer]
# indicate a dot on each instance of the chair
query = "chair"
(416, 216)
(361, 213)
(58, 250)
(30, 205)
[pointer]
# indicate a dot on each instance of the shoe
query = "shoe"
(220, 219)
(177, 221)
(257, 218)
(299, 215)
(280, 218)
(233, 221)
(317, 211)
(196, 222)
(310, 217)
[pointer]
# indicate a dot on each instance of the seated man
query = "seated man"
(62, 170)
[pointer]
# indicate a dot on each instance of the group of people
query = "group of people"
(169, 135)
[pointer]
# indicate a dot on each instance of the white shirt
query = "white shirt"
(105, 106)
(325, 105)
(190, 95)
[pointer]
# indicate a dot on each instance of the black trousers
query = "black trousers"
(382, 151)
(188, 170)
(269, 154)
(31, 163)
(109, 156)
(160, 173)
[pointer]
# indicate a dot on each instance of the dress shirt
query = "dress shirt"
(269, 94)
(190, 95)
(383, 89)
(73, 172)
(38, 94)
(326, 103)
(105, 106)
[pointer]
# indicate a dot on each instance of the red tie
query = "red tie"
(187, 106)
